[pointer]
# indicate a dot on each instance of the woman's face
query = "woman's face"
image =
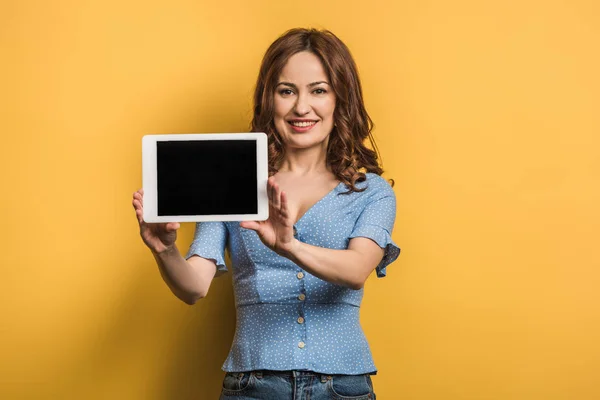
(304, 103)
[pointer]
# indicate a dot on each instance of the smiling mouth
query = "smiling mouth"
(302, 124)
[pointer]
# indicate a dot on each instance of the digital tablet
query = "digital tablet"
(205, 177)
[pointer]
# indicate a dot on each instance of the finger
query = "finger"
(136, 204)
(140, 217)
(276, 196)
(270, 184)
(270, 191)
(137, 196)
(139, 211)
(284, 205)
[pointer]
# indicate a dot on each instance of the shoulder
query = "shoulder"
(376, 186)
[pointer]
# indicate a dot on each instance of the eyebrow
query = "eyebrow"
(295, 87)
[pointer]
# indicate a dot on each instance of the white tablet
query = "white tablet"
(205, 177)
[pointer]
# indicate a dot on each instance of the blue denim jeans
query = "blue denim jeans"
(295, 385)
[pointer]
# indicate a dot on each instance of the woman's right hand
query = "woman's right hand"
(159, 237)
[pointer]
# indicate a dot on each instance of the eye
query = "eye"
(320, 91)
(286, 92)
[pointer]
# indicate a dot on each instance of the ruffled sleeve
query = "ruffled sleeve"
(210, 240)
(376, 222)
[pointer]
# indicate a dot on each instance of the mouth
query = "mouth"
(302, 123)
(301, 126)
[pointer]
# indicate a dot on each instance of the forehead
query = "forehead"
(303, 67)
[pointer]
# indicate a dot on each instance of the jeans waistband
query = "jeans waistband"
(296, 374)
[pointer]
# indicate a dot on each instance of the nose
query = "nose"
(302, 107)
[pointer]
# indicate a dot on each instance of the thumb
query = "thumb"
(172, 226)
(250, 225)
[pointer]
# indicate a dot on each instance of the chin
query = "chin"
(305, 142)
(311, 136)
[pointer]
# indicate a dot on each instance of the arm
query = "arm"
(188, 280)
(349, 267)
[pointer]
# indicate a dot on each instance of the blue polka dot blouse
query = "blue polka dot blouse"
(286, 318)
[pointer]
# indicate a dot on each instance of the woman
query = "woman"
(298, 276)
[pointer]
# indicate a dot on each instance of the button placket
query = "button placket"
(300, 325)
(300, 275)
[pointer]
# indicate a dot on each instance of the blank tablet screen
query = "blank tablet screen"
(206, 177)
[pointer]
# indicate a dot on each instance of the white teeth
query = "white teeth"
(303, 124)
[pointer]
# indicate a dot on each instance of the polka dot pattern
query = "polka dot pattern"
(271, 297)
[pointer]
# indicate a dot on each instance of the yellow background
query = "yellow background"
(487, 116)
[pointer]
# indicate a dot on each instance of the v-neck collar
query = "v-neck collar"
(335, 189)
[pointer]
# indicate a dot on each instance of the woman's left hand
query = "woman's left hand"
(277, 232)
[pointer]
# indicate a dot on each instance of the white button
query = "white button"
(301, 345)
(301, 297)
(300, 320)
(300, 275)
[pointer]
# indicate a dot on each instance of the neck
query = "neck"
(305, 162)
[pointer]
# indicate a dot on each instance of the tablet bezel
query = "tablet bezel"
(149, 177)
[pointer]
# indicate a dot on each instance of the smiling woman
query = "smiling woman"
(308, 69)
(298, 276)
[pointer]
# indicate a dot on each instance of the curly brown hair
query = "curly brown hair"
(347, 156)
